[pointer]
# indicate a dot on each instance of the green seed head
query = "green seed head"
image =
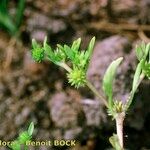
(77, 77)
(38, 54)
(118, 106)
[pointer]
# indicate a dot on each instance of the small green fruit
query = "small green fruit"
(38, 54)
(77, 77)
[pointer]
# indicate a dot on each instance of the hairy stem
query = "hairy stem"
(98, 94)
(65, 66)
(119, 127)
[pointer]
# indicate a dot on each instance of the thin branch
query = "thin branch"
(65, 66)
(98, 94)
(89, 85)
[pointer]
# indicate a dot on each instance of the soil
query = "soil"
(39, 92)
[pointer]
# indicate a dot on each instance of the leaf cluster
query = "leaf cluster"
(143, 55)
(143, 68)
(79, 59)
(22, 139)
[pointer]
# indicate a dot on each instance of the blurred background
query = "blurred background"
(40, 93)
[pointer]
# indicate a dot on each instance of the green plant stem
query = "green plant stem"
(119, 127)
(133, 92)
(89, 85)
(100, 96)
(65, 66)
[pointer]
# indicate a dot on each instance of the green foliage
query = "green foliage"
(142, 52)
(23, 138)
(31, 128)
(108, 80)
(137, 76)
(146, 69)
(7, 21)
(115, 142)
(79, 59)
(76, 74)
(143, 69)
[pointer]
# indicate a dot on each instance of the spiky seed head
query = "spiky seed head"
(38, 54)
(77, 77)
(118, 106)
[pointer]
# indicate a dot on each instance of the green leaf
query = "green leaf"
(34, 44)
(91, 46)
(23, 137)
(88, 53)
(3, 6)
(135, 83)
(48, 51)
(146, 69)
(142, 51)
(19, 12)
(109, 78)
(60, 47)
(115, 142)
(47, 48)
(139, 51)
(15, 145)
(137, 76)
(76, 45)
(31, 128)
(69, 52)
(147, 50)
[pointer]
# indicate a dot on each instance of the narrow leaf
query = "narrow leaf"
(136, 77)
(109, 78)
(68, 52)
(48, 51)
(34, 44)
(89, 51)
(91, 46)
(60, 47)
(76, 45)
(31, 128)
(147, 50)
(139, 52)
(135, 83)
(142, 51)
